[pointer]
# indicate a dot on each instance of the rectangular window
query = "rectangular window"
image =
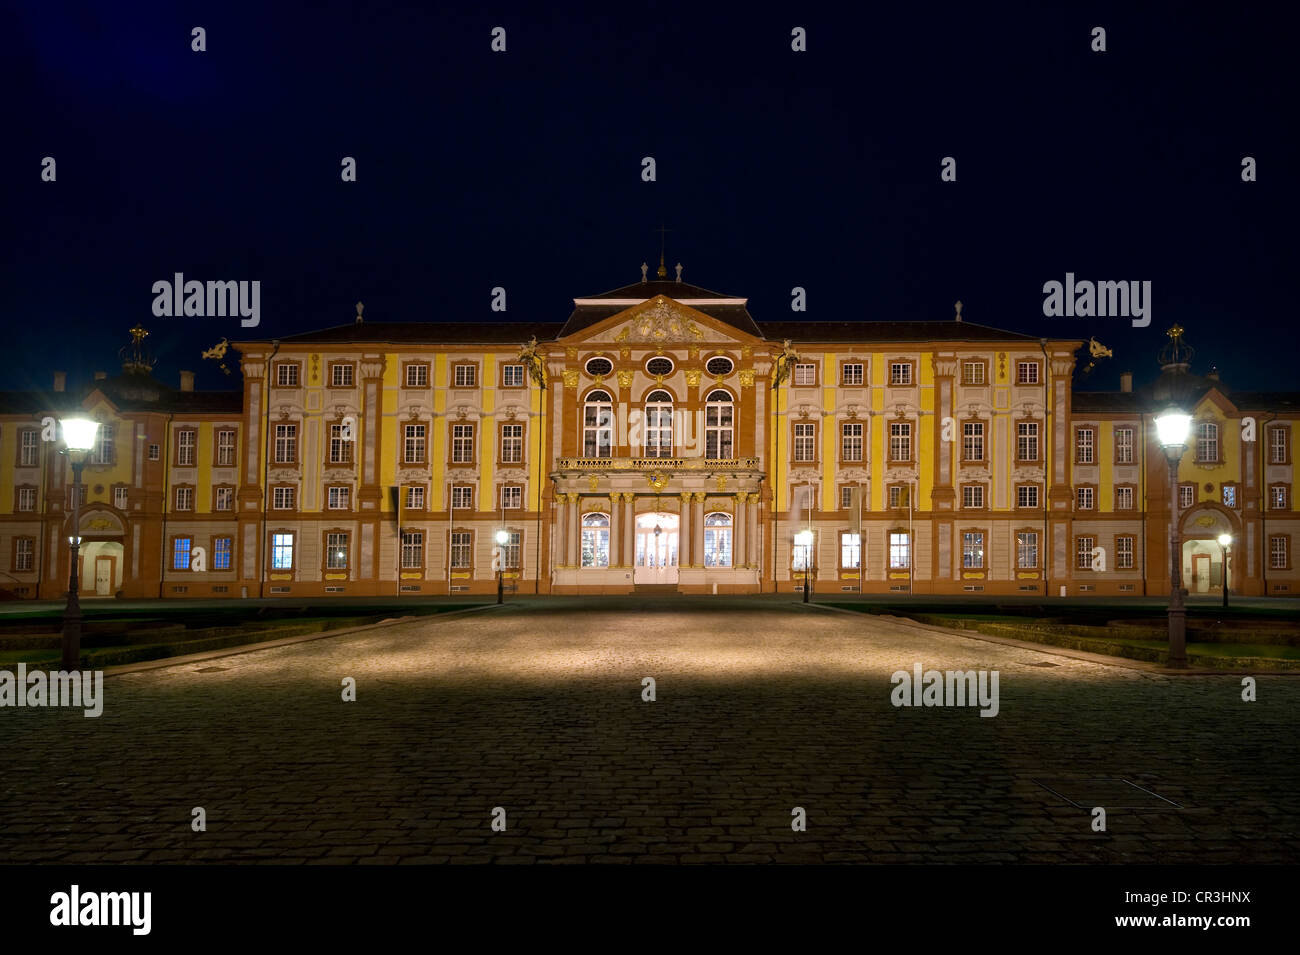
(282, 498)
(972, 495)
(181, 553)
(846, 497)
(460, 550)
(24, 553)
(286, 444)
(336, 551)
(466, 376)
(717, 540)
(852, 373)
(805, 442)
(1186, 496)
(102, 453)
(462, 496)
(972, 373)
(120, 498)
(282, 551)
(223, 499)
(417, 376)
(29, 441)
(221, 549)
(340, 498)
(1026, 495)
(851, 441)
(341, 376)
(972, 550)
(1084, 445)
(340, 446)
(850, 551)
(27, 499)
(80, 493)
(512, 376)
(719, 426)
(186, 439)
(286, 376)
(1083, 553)
(1229, 495)
(412, 550)
(900, 551)
(899, 496)
(805, 374)
(225, 449)
(154, 454)
(512, 497)
(1123, 499)
(1278, 445)
(972, 440)
(1124, 553)
(415, 497)
(512, 443)
(1084, 498)
(413, 444)
(801, 555)
(1277, 497)
(1027, 441)
(900, 440)
(185, 499)
(511, 550)
(1123, 445)
(1207, 442)
(900, 373)
(1027, 548)
(462, 442)
(1026, 372)
(1279, 557)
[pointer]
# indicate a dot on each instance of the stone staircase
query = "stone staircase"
(655, 589)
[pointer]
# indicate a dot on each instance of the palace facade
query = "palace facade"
(659, 440)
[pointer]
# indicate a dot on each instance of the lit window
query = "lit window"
(1207, 442)
(221, 550)
(282, 551)
(719, 425)
(659, 425)
(595, 540)
(336, 551)
(1027, 549)
(850, 551)
(1229, 495)
(412, 549)
(598, 426)
(805, 442)
(339, 498)
(851, 441)
(460, 550)
(181, 553)
(512, 497)
(717, 540)
(510, 551)
(972, 550)
(900, 551)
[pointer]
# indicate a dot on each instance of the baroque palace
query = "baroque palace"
(660, 439)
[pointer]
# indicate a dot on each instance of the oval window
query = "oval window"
(599, 366)
(659, 366)
(719, 366)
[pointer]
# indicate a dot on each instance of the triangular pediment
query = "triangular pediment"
(661, 321)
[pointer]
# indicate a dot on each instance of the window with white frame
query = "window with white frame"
(899, 495)
(225, 449)
(511, 550)
(1207, 442)
(340, 498)
(1084, 498)
(1186, 496)
(1026, 372)
(719, 425)
(286, 443)
(512, 376)
(340, 447)
(186, 440)
(1277, 497)
(972, 550)
(1085, 442)
(1027, 441)
(1026, 495)
(223, 499)
(24, 553)
(595, 540)
(282, 551)
(461, 550)
(1124, 552)
(462, 444)
(417, 376)
(1123, 499)
(512, 443)
(900, 551)
(121, 497)
(972, 495)
(1083, 552)
(802, 555)
(185, 499)
(1279, 552)
(181, 547)
(412, 550)
(27, 499)
(341, 375)
(336, 551)
(900, 372)
(805, 441)
(805, 374)
(717, 539)
(282, 498)
(1123, 445)
(29, 442)
(972, 440)
(286, 375)
(598, 425)
(659, 425)
(846, 497)
(512, 497)
(900, 440)
(852, 373)
(850, 550)
(1278, 445)
(1229, 495)
(851, 440)
(465, 376)
(102, 453)
(1026, 550)
(415, 497)
(154, 452)
(462, 496)
(972, 373)
(414, 441)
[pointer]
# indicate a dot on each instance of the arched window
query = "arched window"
(719, 425)
(717, 539)
(598, 426)
(595, 540)
(659, 425)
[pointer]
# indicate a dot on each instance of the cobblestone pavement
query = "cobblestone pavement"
(537, 708)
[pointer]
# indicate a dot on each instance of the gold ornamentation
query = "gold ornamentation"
(693, 377)
(571, 351)
(660, 322)
(571, 379)
(721, 481)
(1002, 366)
(747, 378)
(657, 464)
(693, 352)
(626, 353)
(593, 481)
(657, 480)
(625, 376)
(784, 363)
(315, 369)
(746, 351)
(699, 497)
(532, 359)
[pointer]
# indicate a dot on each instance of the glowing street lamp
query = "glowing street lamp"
(78, 439)
(1172, 428)
(1225, 541)
(502, 539)
(804, 539)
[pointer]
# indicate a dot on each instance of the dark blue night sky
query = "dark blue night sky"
(775, 169)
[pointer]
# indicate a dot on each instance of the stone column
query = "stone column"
(684, 532)
(751, 559)
(697, 531)
(559, 530)
(629, 528)
(738, 523)
(617, 531)
(575, 541)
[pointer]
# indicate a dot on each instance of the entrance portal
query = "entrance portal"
(656, 549)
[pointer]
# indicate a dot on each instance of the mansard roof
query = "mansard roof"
(427, 333)
(729, 309)
(949, 331)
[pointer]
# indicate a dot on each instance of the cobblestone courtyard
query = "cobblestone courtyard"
(761, 707)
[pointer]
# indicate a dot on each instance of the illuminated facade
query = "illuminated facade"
(659, 440)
